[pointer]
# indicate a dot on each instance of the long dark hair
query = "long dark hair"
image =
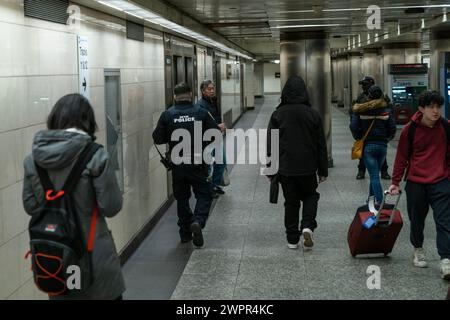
(73, 111)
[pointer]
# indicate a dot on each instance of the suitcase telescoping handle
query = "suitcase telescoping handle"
(385, 194)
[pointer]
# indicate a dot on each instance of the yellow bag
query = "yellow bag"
(357, 149)
(358, 145)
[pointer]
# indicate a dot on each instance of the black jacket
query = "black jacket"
(211, 106)
(302, 147)
(383, 129)
(183, 115)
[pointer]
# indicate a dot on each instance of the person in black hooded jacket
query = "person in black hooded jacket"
(302, 159)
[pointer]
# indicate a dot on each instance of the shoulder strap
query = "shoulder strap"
(75, 174)
(160, 154)
(411, 134)
(45, 179)
(368, 130)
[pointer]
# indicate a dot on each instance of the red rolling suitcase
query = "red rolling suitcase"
(381, 237)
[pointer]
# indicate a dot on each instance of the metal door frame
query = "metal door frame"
(116, 73)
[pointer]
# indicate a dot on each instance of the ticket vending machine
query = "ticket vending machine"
(406, 83)
(445, 84)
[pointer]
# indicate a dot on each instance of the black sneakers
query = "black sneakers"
(186, 238)
(361, 175)
(197, 236)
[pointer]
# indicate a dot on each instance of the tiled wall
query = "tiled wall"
(38, 65)
(231, 88)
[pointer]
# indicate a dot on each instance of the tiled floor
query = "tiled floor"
(245, 254)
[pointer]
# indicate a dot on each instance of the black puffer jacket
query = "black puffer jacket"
(383, 129)
(302, 147)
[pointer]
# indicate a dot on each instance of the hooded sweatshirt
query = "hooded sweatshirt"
(302, 145)
(56, 151)
(428, 161)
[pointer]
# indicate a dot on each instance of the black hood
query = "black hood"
(294, 92)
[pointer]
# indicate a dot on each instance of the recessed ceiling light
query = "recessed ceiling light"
(307, 26)
(308, 19)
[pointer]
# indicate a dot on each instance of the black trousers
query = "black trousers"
(185, 177)
(362, 166)
(419, 198)
(297, 189)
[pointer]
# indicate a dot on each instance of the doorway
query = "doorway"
(113, 114)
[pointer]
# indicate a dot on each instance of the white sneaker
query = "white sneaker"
(419, 258)
(293, 246)
(445, 269)
(307, 239)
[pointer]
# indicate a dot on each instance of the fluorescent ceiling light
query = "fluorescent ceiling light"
(123, 5)
(348, 9)
(309, 19)
(425, 6)
(295, 11)
(307, 26)
(109, 5)
(133, 14)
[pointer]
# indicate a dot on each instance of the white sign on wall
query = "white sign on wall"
(83, 67)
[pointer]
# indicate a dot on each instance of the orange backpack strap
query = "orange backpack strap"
(90, 244)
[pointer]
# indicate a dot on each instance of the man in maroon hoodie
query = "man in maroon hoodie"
(427, 180)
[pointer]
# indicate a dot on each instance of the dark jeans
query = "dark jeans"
(296, 189)
(362, 166)
(218, 169)
(183, 178)
(374, 156)
(419, 198)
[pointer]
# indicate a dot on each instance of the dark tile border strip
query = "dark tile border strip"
(137, 240)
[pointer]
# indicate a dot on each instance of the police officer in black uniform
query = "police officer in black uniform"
(191, 171)
(365, 84)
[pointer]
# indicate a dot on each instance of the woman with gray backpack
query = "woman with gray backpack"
(69, 188)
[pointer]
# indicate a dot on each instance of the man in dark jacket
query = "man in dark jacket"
(208, 101)
(365, 84)
(302, 159)
(190, 172)
(426, 163)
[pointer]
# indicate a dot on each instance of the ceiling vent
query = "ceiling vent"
(135, 31)
(49, 10)
(414, 10)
